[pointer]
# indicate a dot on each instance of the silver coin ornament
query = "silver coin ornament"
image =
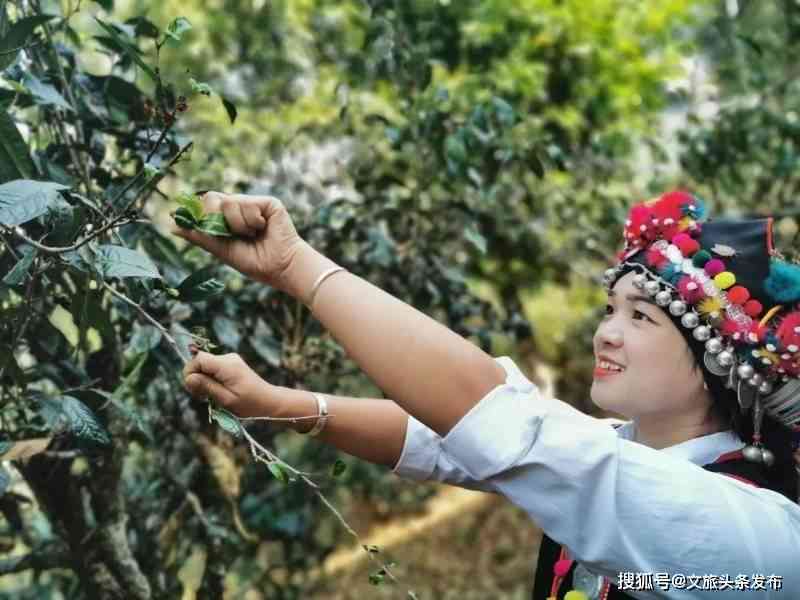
(702, 333)
(767, 457)
(714, 346)
(725, 358)
(652, 287)
(690, 320)
(756, 380)
(753, 454)
(663, 298)
(639, 280)
(745, 371)
(677, 308)
(765, 389)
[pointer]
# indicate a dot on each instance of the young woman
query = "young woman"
(699, 349)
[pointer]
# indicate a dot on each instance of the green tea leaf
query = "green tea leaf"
(44, 93)
(215, 224)
(144, 338)
(177, 28)
(24, 199)
(18, 274)
(193, 204)
(200, 286)
(475, 238)
(17, 36)
(199, 87)
(118, 261)
(338, 468)
(67, 413)
(15, 160)
(128, 48)
(278, 472)
(227, 421)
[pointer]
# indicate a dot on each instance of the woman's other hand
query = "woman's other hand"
(230, 383)
(265, 241)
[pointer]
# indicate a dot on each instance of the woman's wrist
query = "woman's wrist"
(295, 404)
(301, 274)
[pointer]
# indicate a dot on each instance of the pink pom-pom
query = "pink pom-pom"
(562, 567)
(655, 258)
(691, 290)
(714, 267)
(789, 331)
(732, 329)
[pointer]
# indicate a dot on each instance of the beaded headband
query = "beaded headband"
(732, 290)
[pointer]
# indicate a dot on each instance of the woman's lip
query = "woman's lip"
(601, 372)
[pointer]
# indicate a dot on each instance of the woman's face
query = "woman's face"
(651, 369)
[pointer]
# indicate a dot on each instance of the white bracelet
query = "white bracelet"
(318, 282)
(322, 414)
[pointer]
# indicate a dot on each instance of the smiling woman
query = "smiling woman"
(699, 351)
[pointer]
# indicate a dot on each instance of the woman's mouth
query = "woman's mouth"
(605, 368)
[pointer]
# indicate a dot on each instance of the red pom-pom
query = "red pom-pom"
(691, 290)
(753, 308)
(688, 246)
(738, 294)
(562, 567)
(655, 258)
(733, 330)
(789, 332)
(669, 206)
(756, 334)
(714, 267)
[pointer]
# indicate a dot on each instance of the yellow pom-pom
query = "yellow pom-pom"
(685, 223)
(711, 306)
(576, 595)
(725, 280)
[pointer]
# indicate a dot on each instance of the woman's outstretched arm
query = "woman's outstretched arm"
(431, 372)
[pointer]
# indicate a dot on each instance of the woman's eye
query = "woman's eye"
(609, 309)
(638, 312)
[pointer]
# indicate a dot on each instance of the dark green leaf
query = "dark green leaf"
(15, 160)
(24, 199)
(338, 468)
(278, 472)
(266, 346)
(5, 446)
(128, 48)
(227, 331)
(106, 4)
(17, 36)
(227, 421)
(143, 27)
(5, 481)
(215, 224)
(118, 261)
(144, 338)
(475, 238)
(230, 107)
(44, 93)
(184, 219)
(200, 286)
(67, 413)
(18, 275)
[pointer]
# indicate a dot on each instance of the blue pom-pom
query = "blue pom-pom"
(671, 273)
(783, 283)
(699, 212)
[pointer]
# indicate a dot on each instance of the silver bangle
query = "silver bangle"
(318, 283)
(322, 414)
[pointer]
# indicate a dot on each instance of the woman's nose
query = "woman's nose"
(608, 334)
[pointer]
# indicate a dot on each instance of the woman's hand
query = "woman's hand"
(230, 383)
(266, 240)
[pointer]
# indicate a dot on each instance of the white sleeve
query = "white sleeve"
(620, 506)
(422, 458)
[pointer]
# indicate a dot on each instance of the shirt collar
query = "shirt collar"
(700, 450)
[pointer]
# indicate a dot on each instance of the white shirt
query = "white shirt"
(617, 505)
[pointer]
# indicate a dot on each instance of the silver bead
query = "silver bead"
(745, 371)
(609, 274)
(752, 454)
(714, 346)
(677, 308)
(767, 457)
(756, 380)
(652, 287)
(663, 298)
(639, 280)
(765, 388)
(702, 333)
(690, 320)
(725, 358)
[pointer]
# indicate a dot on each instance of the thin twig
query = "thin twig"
(61, 249)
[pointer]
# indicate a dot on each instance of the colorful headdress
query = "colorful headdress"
(724, 282)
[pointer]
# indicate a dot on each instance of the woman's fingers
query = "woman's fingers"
(201, 386)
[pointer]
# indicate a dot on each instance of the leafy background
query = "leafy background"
(473, 158)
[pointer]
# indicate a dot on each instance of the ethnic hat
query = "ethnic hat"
(732, 295)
